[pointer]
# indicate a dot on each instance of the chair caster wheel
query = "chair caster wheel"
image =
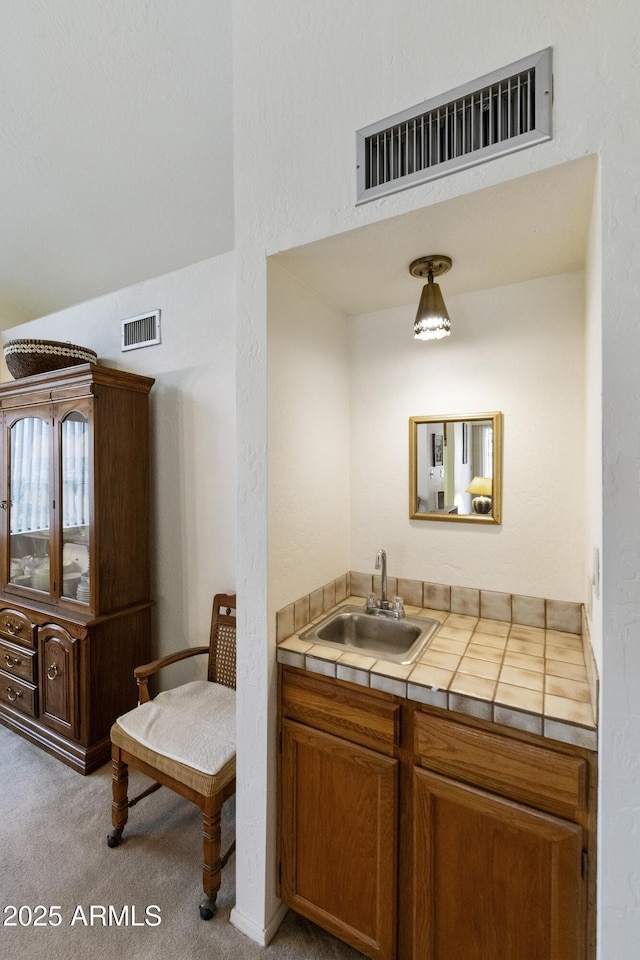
(207, 908)
(114, 838)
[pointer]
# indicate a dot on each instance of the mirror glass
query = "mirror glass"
(455, 468)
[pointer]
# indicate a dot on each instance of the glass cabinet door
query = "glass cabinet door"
(29, 502)
(75, 506)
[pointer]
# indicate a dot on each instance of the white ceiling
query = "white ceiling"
(115, 145)
(533, 226)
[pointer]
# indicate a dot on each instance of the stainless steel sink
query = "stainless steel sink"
(374, 635)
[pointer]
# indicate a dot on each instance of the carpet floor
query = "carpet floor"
(54, 855)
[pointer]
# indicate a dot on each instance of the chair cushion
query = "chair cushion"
(193, 725)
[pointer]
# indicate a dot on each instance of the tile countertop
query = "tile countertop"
(527, 678)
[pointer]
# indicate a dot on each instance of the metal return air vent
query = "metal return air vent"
(141, 331)
(500, 113)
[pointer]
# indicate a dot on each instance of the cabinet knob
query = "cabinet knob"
(12, 661)
(12, 627)
(52, 672)
(13, 694)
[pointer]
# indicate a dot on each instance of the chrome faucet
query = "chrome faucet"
(381, 564)
(382, 607)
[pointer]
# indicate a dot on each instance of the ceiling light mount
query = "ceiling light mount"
(432, 320)
(436, 265)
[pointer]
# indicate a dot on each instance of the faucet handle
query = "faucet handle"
(398, 606)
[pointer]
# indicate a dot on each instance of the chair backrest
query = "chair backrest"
(222, 641)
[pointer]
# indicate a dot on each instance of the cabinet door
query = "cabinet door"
(339, 844)
(59, 671)
(493, 880)
(29, 452)
(74, 439)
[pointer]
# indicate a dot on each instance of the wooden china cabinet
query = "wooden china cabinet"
(75, 608)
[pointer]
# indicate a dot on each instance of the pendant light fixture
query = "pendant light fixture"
(432, 320)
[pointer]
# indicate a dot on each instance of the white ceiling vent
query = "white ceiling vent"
(500, 113)
(141, 331)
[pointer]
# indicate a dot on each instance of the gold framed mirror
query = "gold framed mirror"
(455, 468)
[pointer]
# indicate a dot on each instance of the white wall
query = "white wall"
(327, 71)
(305, 78)
(192, 424)
(309, 450)
(593, 447)
(308, 543)
(332, 416)
(518, 349)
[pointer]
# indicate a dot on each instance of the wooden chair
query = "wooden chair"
(184, 738)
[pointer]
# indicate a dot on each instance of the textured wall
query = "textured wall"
(309, 441)
(499, 359)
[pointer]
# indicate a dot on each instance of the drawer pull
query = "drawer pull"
(12, 627)
(12, 661)
(52, 672)
(13, 694)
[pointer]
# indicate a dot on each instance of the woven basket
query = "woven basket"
(25, 358)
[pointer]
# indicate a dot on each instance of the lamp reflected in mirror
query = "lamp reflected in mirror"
(481, 488)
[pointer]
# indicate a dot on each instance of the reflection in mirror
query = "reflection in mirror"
(455, 468)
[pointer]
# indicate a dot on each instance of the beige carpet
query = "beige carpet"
(54, 854)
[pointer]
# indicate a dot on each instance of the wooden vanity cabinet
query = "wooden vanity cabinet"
(500, 846)
(339, 810)
(416, 833)
(75, 608)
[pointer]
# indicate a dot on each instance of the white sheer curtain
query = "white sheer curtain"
(482, 450)
(75, 479)
(30, 439)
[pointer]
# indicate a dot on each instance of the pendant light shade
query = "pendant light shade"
(432, 319)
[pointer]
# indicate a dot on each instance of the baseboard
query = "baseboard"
(261, 935)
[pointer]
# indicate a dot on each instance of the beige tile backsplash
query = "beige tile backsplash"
(531, 612)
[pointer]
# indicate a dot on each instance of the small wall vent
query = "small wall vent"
(141, 331)
(500, 113)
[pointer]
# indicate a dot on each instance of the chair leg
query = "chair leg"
(119, 803)
(211, 865)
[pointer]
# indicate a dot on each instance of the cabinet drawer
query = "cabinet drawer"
(18, 661)
(18, 694)
(361, 718)
(25, 399)
(536, 775)
(15, 626)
